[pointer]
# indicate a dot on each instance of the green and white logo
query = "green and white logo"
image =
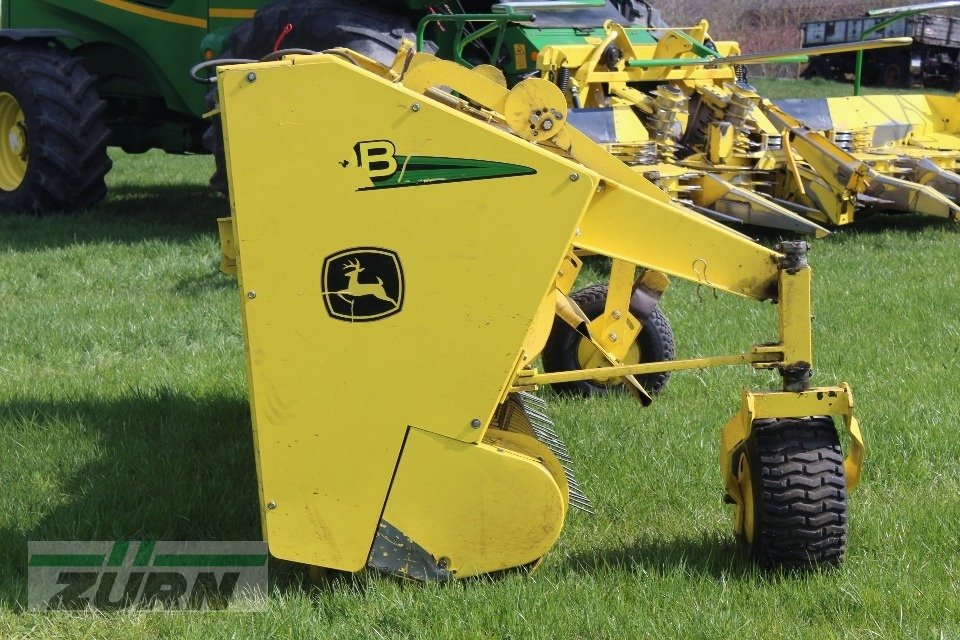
(147, 575)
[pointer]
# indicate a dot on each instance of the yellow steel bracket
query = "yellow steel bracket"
(228, 246)
(792, 161)
(822, 401)
(616, 328)
(568, 272)
(795, 320)
(583, 74)
(603, 355)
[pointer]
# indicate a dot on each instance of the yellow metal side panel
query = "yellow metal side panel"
(483, 507)
(913, 112)
(624, 224)
(946, 111)
(465, 265)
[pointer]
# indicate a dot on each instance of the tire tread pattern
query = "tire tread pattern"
(801, 496)
(66, 131)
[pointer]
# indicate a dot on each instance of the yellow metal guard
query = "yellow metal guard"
(401, 253)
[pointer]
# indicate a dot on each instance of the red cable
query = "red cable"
(434, 11)
(283, 34)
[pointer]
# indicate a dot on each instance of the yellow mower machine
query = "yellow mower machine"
(680, 112)
(395, 296)
(914, 137)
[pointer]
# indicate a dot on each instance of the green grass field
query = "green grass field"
(123, 415)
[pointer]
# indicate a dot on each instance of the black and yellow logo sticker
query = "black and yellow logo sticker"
(388, 170)
(362, 284)
(520, 56)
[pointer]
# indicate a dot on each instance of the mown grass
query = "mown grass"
(778, 88)
(123, 414)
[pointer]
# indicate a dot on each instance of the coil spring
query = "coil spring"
(563, 79)
(740, 72)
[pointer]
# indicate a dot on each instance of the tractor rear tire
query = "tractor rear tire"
(53, 140)
(366, 28)
(561, 353)
(795, 495)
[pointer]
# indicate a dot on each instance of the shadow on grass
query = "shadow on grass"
(130, 214)
(702, 554)
(164, 466)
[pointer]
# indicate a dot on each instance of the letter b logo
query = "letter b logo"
(376, 157)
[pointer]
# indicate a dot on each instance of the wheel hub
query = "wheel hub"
(588, 357)
(17, 141)
(14, 146)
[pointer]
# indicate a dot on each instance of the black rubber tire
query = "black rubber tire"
(655, 341)
(66, 134)
(799, 493)
(363, 27)
(641, 14)
(896, 72)
(817, 68)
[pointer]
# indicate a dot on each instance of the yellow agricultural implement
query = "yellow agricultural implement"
(910, 138)
(402, 251)
(680, 112)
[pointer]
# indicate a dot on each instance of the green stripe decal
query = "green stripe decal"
(209, 560)
(143, 553)
(118, 553)
(423, 170)
(66, 560)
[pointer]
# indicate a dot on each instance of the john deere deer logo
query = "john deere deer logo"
(362, 284)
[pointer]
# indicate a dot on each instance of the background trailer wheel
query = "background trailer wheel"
(791, 477)
(567, 350)
(53, 141)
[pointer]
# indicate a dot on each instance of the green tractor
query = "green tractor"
(77, 76)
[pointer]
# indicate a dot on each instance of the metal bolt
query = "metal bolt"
(251, 294)
(613, 337)
(443, 562)
(251, 77)
(547, 124)
(616, 314)
(271, 505)
(415, 106)
(475, 423)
